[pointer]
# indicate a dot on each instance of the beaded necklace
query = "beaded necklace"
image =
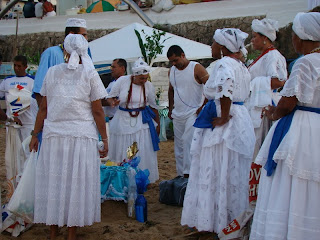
(129, 99)
(262, 54)
(315, 50)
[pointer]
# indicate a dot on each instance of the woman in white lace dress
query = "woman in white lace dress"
(218, 186)
(67, 190)
(137, 119)
(268, 73)
(289, 191)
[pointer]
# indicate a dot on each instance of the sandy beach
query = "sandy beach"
(163, 220)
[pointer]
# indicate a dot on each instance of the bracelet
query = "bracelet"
(34, 134)
(104, 139)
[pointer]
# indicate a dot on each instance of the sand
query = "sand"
(163, 220)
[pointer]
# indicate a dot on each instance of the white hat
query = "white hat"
(76, 22)
(266, 27)
(232, 38)
(307, 26)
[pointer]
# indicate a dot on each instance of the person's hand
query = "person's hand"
(169, 114)
(17, 121)
(34, 143)
(113, 102)
(218, 121)
(103, 153)
(268, 111)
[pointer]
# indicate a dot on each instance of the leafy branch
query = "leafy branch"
(152, 46)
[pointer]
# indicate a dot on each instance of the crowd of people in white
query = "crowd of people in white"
(223, 121)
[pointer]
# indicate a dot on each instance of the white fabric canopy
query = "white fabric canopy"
(123, 43)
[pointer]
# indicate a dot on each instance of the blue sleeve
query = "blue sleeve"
(50, 57)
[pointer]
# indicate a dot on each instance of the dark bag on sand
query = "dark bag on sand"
(172, 191)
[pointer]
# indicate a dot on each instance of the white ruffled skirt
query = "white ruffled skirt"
(218, 187)
(67, 190)
(288, 201)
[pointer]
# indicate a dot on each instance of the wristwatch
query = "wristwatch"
(34, 134)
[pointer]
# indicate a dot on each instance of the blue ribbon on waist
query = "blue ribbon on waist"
(281, 130)
(209, 111)
(147, 116)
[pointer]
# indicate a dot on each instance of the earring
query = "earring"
(221, 53)
(264, 42)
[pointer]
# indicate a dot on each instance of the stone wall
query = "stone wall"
(201, 31)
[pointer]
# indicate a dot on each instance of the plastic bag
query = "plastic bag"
(142, 180)
(22, 201)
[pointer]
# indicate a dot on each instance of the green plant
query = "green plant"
(159, 92)
(152, 45)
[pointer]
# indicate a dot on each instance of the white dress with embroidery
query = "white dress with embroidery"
(67, 190)
(218, 186)
(124, 129)
(270, 65)
(288, 201)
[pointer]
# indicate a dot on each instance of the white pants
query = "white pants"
(183, 133)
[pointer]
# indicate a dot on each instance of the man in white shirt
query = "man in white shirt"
(118, 69)
(39, 9)
(27, 118)
(185, 102)
(15, 156)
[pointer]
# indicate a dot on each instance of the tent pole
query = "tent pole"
(141, 14)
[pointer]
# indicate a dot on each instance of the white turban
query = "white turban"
(307, 26)
(232, 38)
(77, 46)
(140, 67)
(76, 22)
(266, 27)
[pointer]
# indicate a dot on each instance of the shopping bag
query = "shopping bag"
(22, 202)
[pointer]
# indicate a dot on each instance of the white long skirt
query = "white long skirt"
(287, 207)
(119, 143)
(218, 187)
(67, 188)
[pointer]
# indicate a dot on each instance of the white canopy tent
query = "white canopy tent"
(123, 43)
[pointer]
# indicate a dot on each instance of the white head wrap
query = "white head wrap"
(76, 22)
(232, 38)
(77, 46)
(307, 26)
(266, 27)
(140, 67)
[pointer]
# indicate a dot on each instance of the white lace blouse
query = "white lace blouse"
(229, 78)
(69, 95)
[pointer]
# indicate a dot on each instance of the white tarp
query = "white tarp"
(123, 43)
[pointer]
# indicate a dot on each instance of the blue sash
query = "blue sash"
(147, 116)
(209, 111)
(281, 130)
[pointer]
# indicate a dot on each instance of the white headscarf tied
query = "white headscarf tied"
(307, 26)
(77, 46)
(266, 27)
(232, 38)
(140, 67)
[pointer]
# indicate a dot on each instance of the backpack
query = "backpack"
(172, 191)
